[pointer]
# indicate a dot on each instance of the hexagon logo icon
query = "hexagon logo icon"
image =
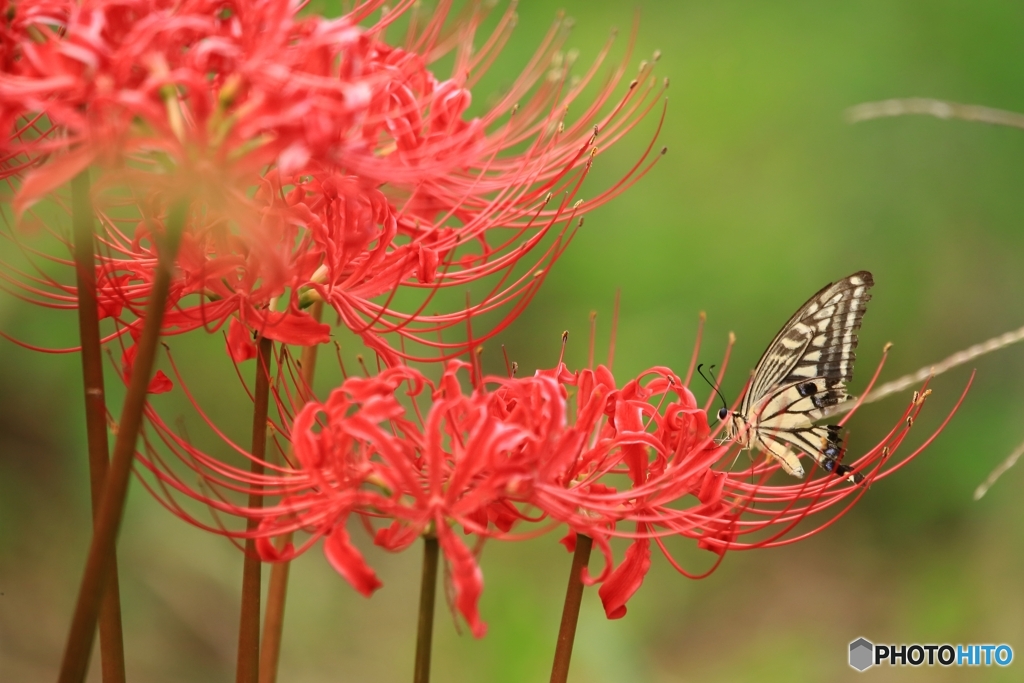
(862, 654)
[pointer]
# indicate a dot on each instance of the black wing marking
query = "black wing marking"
(783, 424)
(823, 443)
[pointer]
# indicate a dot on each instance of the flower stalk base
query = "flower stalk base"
(425, 626)
(111, 639)
(248, 667)
(277, 591)
(571, 609)
(107, 520)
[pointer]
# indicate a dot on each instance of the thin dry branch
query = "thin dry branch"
(937, 108)
(998, 472)
(957, 359)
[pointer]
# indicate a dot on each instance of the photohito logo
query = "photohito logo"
(864, 654)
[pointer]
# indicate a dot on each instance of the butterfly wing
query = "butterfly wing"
(817, 343)
(783, 427)
(803, 371)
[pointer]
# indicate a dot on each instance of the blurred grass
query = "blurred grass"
(765, 195)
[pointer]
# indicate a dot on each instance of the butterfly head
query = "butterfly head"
(735, 426)
(724, 414)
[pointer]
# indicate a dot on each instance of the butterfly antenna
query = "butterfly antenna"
(712, 384)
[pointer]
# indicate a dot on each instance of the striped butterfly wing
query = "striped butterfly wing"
(783, 427)
(803, 371)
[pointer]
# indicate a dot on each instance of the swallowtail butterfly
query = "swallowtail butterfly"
(804, 371)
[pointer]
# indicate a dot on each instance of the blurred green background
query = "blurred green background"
(765, 195)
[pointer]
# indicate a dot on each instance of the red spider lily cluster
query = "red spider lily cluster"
(315, 162)
(320, 162)
(507, 459)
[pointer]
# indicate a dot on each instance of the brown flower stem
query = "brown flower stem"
(571, 609)
(425, 626)
(248, 668)
(111, 641)
(277, 591)
(107, 520)
(273, 617)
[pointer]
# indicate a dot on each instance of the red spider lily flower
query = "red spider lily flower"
(215, 92)
(457, 182)
(457, 467)
(669, 456)
(221, 275)
(480, 460)
(513, 458)
(503, 455)
(644, 443)
(360, 453)
(393, 183)
(471, 460)
(188, 100)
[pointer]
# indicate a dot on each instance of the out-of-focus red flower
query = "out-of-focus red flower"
(380, 178)
(179, 101)
(222, 275)
(160, 384)
(193, 98)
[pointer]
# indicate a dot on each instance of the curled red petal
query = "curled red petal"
(348, 561)
(711, 487)
(620, 586)
(290, 328)
(396, 536)
(467, 579)
(569, 541)
(54, 174)
(269, 552)
(239, 342)
(160, 384)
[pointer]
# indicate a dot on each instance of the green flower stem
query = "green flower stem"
(571, 609)
(425, 626)
(107, 520)
(248, 668)
(111, 640)
(277, 591)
